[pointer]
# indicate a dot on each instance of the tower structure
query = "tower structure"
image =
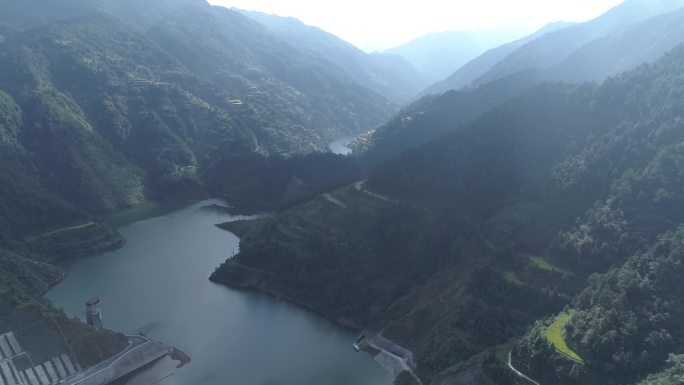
(94, 313)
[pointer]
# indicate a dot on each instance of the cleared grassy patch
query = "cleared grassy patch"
(513, 278)
(555, 334)
(545, 265)
(334, 200)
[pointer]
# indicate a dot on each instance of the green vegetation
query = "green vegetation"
(24, 311)
(541, 263)
(545, 265)
(240, 228)
(633, 33)
(673, 375)
(513, 278)
(441, 247)
(103, 125)
(106, 105)
(377, 263)
(541, 175)
(555, 334)
(259, 183)
(389, 75)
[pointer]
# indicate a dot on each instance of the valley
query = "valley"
(157, 285)
(474, 207)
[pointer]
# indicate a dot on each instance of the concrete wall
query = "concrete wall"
(129, 363)
(385, 344)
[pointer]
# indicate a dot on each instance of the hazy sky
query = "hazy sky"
(377, 24)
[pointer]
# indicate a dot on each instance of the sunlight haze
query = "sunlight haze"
(377, 25)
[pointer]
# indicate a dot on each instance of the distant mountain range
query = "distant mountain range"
(477, 67)
(553, 48)
(563, 49)
(437, 55)
(628, 35)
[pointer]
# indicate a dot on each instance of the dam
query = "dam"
(17, 367)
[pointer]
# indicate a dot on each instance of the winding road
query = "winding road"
(519, 373)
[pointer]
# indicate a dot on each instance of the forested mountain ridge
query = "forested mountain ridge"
(525, 202)
(626, 324)
(389, 75)
(554, 47)
(158, 111)
(434, 115)
(477, 67)
(476, 237)
(619, 40)
(27, 212)
(562, 48)
(105, 104)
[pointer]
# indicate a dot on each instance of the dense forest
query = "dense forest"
(139, 111)
(525, 202)
(107, 104)
(508, 219)
(628, 35)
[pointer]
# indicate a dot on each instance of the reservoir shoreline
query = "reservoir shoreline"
(167, 297)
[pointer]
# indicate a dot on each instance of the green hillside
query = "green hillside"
(539, 190)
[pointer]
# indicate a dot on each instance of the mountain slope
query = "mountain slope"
(389, 75)
(642, 43)
(552, 48)
(439, 245)
(432, 116)
(112, 116)
(104, 104)
(477, 67)
(602, 57)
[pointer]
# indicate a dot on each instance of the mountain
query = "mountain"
(574, 47)
(626, 47)
(456, 247)
(106, 104)
(434, 115)
(619, 52)
(437, 55)
(389, 75)
(477, 67)
(555, 47)
(114, 111)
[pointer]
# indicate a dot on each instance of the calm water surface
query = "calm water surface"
(157, 285)
(340, 146)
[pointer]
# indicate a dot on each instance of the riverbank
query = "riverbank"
(395, 359)
(75, 241)
(255, 284)
(234, 335)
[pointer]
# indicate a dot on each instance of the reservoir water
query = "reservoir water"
(340, 146)
(157, 285)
